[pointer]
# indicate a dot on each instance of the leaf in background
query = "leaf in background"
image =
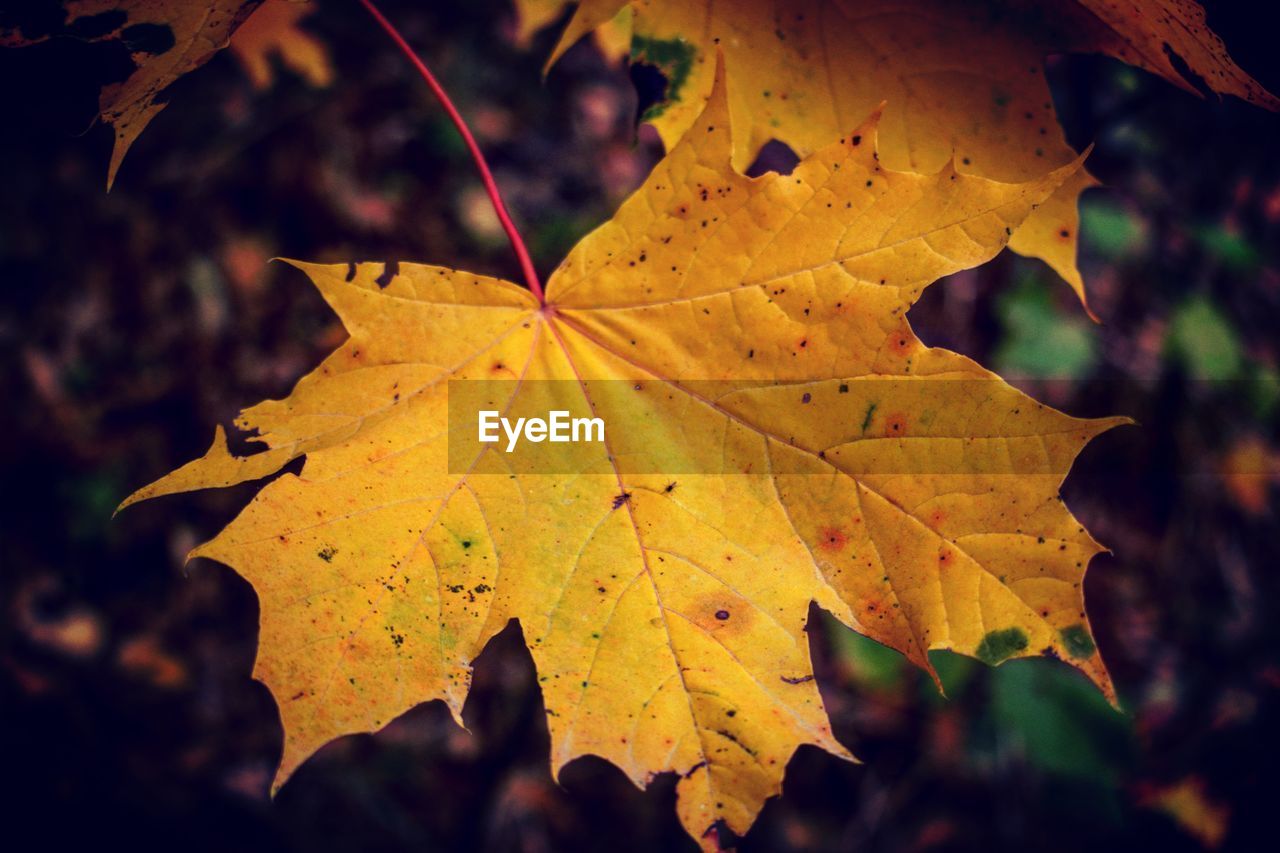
(612, 36)
(1111, 231)
(274, 30)
(1151, 34)
(869, 662)
(166, 39)
(1039, 340)
(1187, 803)
(1248, 470)
(535, 15)
(1058, 724)
(1205, 342)
(908, 491)
(960, 80)
(1229, 248)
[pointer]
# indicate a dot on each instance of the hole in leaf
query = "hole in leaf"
(651, 90)
(1197, 82)
(775, 156)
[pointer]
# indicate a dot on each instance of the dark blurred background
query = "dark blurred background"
(132, 322)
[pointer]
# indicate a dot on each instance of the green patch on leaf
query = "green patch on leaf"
(1077, 640)
(1001, 645)
(673, 57)
(866, 421)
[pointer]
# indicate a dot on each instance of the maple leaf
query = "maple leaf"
(962, 80)
(274, 30)
(166, 39)
(903, 488)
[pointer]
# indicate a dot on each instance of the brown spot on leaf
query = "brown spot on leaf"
(720, 612)
(832, 539)
(895, 425)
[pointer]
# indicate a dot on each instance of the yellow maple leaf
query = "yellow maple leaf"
(167, 38)
(960, 80)
(775, 435)
(273, 30)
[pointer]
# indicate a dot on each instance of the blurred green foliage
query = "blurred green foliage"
(1041, 339)
(1202, 339)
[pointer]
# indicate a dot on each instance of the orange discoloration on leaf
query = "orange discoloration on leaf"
(895, 425)
(832, 539)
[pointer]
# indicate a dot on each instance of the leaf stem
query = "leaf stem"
(486, 176)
